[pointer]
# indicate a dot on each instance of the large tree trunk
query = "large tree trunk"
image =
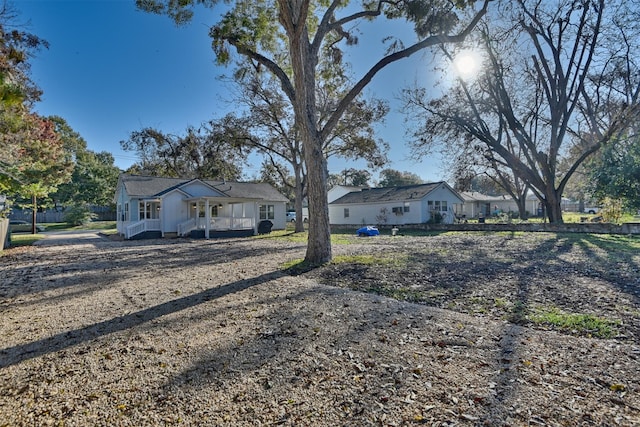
(299, 191)
(521, 202)
(293, 15)
(319, 240)
(553, 207)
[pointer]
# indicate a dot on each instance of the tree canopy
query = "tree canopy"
(204, 152)
(616, 173)
(555, 78)
(288, 38)
(395, 178)
(94, 177)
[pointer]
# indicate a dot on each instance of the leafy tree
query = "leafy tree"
(204, 152)
(270, 125)
(288, 38)
(555, 80)
(275, 174)
(351, 177)
(17, 92)
(616, 173)
(42, 163)
(94, 177)
(394, 178)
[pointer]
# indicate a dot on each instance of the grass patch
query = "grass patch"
(94, 225)
(24, 239)
(290, 235)
(583, 324)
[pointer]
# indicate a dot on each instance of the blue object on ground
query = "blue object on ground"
(368, 231)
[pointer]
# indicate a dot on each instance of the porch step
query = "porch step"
(199, 234)
(147, 235)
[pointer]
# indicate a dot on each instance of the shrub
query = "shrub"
(79, 215)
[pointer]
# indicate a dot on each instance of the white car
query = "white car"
(593, 210)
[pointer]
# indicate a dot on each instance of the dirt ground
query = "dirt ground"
(443, 330)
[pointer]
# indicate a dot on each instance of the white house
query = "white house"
(410, 204)
(153, 206)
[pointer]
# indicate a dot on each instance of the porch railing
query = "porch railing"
(228, 223)
(140, 227)
(186, 227)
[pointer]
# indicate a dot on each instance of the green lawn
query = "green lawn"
(94, 225)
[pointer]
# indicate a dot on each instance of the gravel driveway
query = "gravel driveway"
(216, 333)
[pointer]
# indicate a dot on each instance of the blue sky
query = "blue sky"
(112, 69)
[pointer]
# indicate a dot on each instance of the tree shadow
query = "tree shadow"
(19, 353)
(111, 261)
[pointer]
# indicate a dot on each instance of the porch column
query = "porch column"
(256, 215)
(207, 218)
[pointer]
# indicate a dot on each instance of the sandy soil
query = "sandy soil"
(186, 332)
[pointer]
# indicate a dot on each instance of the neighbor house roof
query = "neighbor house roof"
(391, 194)
(139, 186)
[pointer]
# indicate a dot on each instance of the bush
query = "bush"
(611, 210)
(436, 217)
(79, 215)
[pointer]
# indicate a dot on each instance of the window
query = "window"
(214, 210)
(126, 211)
(267, 211)
(346, 212)
(436, 205)
(444, 206)
(397, 210)
(406, 207)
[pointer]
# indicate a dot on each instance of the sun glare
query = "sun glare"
(466, 64)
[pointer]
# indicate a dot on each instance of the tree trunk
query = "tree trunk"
(299, 191)
(319, 241)
(521, 202)
(553, 207)
(293, 17)
(34, 215)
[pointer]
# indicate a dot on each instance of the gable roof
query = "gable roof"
(139, 186)
(393, 194)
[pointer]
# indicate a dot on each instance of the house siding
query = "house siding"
(392, 212)
(173, 212)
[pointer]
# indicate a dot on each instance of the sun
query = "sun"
(466, 64)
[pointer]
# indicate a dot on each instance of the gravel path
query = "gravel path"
(216, 333)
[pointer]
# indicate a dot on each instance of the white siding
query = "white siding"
(174, 210)
(372, 213)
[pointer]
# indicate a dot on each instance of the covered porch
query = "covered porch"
(214, 216)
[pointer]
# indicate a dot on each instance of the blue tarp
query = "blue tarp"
(368, 231)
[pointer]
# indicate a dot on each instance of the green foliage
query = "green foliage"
(580, 323)
(394, 178)
(79, 215)
(616, 173)
(94, 176)
(41, 163)
(204, 152)
(611, 210)
(436, 218)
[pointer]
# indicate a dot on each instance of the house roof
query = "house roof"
(391, 194)
(474, 196)
(139, 186)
